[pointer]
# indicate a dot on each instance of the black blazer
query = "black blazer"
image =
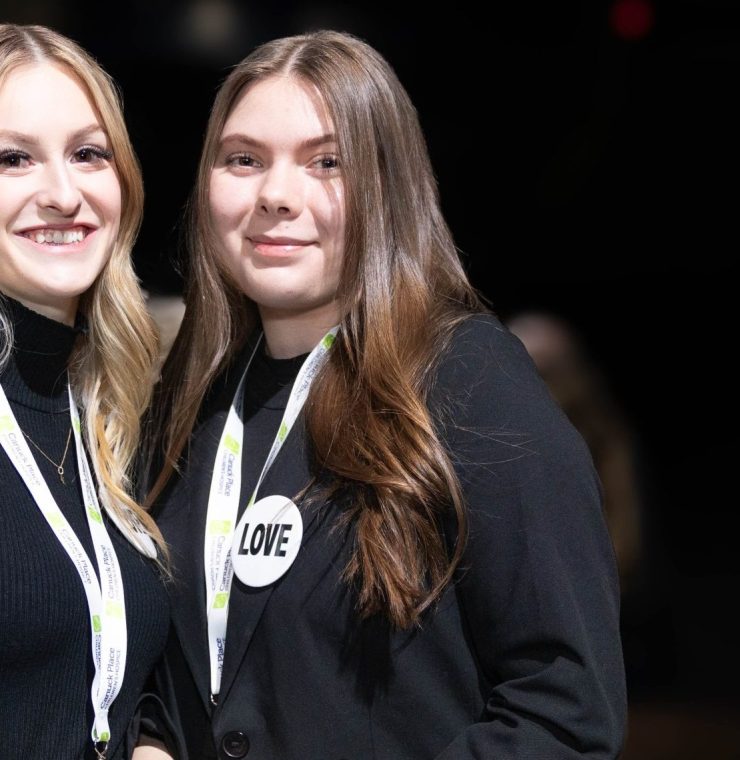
(521, 657)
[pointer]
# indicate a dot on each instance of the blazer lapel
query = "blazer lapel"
(184, 527)
(245, 615)
(188, 590)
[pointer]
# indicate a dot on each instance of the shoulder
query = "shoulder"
(492, 405)
(486, 365)
(482, 341)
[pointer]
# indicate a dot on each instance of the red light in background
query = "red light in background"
(631, 19)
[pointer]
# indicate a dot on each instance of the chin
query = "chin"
(71, 284)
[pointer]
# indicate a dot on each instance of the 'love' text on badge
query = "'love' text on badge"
(266, 539)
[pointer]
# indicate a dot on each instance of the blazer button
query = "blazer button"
(235, 744)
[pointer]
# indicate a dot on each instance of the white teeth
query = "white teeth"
(72, 236)
(58, 237)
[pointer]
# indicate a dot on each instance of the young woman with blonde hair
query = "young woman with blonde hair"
(386, 539)
(84, 612)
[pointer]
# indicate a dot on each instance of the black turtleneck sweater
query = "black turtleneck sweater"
(46, 667)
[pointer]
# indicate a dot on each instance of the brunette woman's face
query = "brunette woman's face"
(60, 198)
(276, 200)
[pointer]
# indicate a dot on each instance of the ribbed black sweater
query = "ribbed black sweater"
(46, 667)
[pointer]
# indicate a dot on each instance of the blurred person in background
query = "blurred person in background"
(581, 390)
(166, 312)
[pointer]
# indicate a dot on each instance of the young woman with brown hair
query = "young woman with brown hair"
(387, 541)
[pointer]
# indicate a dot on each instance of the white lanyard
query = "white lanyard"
(106, 605)
(223, 500)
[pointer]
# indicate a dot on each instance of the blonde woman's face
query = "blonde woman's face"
(276, 200)
(60, 198)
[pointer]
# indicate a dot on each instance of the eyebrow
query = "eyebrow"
(311, 142)
(11, 135)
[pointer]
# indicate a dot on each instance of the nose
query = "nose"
(59, 192)
(281, 192)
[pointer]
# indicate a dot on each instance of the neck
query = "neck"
(62, 310)
(35, 374)
(288, 334)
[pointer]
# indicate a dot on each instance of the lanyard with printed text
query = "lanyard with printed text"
(105, 598)
(223, 500)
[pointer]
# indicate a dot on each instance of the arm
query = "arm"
(538, 587)
(151, 749)
(153, 734)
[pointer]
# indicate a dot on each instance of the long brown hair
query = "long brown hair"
(111, 369)
(402, 291)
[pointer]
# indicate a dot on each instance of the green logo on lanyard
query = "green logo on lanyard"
(219, 527)
(231, 444)
(114, 609)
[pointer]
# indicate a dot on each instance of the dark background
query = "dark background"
(585, 170)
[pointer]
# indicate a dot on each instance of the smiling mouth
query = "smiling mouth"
(55, 236)
(280, 247)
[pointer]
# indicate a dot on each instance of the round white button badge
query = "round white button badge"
(266, 541)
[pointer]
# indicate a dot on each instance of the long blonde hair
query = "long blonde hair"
(402, 292)
(112, 366)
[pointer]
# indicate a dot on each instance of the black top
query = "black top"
(266, 394)
(46, 666)
(520, 659)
